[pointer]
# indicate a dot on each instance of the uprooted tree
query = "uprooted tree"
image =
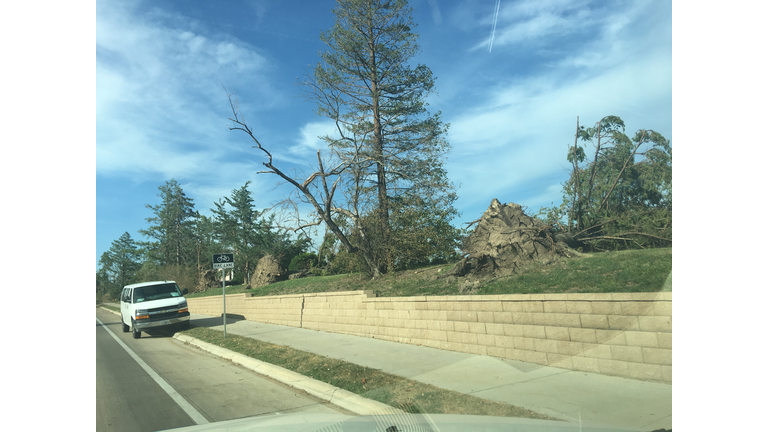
(387, 153)
(622, 197)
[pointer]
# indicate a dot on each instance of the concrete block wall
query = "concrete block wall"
(626, 334)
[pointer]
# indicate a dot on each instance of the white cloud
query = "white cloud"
(159, 98)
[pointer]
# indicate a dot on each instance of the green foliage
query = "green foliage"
(118, 265)
(303, 261)
(622, 197)
(391, 148)
(172, 227)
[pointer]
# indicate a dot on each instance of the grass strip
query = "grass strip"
(604, 272)
(110, 307)
(411, 396)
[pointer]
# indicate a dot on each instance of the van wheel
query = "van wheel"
(126, 329)
(136, 333)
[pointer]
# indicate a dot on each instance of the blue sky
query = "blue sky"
(511, 93)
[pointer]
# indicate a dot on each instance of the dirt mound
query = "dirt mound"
(267, 271)
(505, 241)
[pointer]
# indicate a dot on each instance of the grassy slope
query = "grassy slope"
(625, 271)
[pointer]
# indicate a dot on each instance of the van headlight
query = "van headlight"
(142, 314)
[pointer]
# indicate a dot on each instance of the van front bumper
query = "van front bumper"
(162, 322)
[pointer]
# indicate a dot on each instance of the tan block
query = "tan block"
(665, 340)
(627, 353)
(485, 317)
(476, 349)
(502, 317)
(402, 314)
(477, 328)
(660, 356)
(613, 367)
(469, 338)
(532, 331)
(432, 324)
(522, 318)
(545, 345)
(513, 330)
(645, 372)
(621, 322)
(523, 343)
(555, 307)
(642, 339)
(512, 306)
(585, 364)
(636, 308)
(578, 307)
(496, 352)
(478, 306)
(504, 341)
(610, 337)
(421, 305)
(663, 308)
(461, 326)
(533, 306)
(451, 336)
(655, 323)
(494, 329)
(446, 325)
(569, 348)
(487, 340)
(597, 351)
(514, 354)
(435, 335)
(594, 321)
(416, 314)
(462, 316)
(544, 319)
(559, 361)
(567, 320)
(464, 306)
(666, 373)
(557, 333)
(606, 308)
(582, 335)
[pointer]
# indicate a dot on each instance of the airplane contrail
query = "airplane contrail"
(493, 28)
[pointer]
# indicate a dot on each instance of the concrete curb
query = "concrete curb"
(323, 391)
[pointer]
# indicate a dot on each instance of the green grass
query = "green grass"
(408, 395)
(624, 271)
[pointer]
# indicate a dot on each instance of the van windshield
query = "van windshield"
(156, 292)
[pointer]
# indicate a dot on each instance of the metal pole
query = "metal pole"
(224, 296)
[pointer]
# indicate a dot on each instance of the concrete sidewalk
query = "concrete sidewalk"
(593, 399)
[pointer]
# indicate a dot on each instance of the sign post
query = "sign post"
(224, 261)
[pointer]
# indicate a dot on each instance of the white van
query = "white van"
(158, 304)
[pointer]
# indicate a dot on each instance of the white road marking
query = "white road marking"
(189, 409)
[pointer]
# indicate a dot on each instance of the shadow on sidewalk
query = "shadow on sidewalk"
(215, 321)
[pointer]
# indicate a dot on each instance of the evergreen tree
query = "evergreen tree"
(172, 227)
(390, 145)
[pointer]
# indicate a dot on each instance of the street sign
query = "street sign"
(222, 261)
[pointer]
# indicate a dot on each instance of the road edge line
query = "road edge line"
(179, 399)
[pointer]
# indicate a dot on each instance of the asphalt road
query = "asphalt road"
(163, 384)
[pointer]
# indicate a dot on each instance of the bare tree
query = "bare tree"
(319, 190)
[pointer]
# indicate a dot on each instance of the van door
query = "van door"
(125, 297)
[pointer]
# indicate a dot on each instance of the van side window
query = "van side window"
(123, 296)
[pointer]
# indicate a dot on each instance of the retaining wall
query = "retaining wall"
(626, 334)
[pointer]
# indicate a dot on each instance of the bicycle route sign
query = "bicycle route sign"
(222, 261)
